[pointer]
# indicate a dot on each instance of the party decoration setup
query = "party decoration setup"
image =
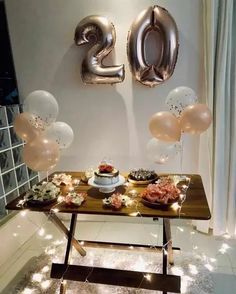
(43, 136)
(185, 115)
(156, 19)
(100, 32)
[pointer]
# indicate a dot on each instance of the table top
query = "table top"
(195, 205)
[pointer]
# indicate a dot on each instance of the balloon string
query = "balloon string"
(182, 155)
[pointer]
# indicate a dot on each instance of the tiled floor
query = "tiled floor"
(219, 252)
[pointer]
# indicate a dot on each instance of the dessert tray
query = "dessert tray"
(42, 194)
(106, 188)
(163, 194)
(142, 177)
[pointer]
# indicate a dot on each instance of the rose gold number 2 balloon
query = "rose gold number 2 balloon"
(153, 19)
(97, 30)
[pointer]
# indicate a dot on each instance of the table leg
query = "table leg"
(58, 223)
(71, 233)
(167, 255)
(168, 239)
(70, 237)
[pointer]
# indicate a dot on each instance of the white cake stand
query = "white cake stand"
(107, 188)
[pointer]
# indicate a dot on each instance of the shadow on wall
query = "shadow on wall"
(96, 113)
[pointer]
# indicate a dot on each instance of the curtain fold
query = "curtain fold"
(218, 165)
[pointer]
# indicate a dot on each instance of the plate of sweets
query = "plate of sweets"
(62, 179)
(42, 194)
(75, 198)
(142, 176)
(162, 194)
(116, 201)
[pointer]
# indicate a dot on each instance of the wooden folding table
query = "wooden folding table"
(195, 207)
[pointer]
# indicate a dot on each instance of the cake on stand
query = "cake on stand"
(107, 188)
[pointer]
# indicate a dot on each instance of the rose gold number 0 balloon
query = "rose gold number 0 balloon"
(153, 19)
(97, 30)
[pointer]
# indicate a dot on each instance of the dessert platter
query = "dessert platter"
(163, 194)
(142, 176)
(42, 194)
(74, 198)
(106, 177)
(116, 201)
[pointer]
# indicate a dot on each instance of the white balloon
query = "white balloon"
(160, 152)
(179, 98)
(43, 106)
(60, 132)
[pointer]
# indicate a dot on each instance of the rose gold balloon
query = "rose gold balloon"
(41, 154)
(195, 119)
(23, 126)
(165, 126)
(152, 19)
(99, 32)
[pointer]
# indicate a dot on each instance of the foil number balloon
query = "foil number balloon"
(97, 30)
(153, 19)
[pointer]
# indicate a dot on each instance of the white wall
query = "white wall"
(107, 120)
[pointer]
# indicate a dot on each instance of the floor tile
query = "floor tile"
(129, 233)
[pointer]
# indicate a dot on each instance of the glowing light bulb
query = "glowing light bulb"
(45, 284)
(148, 277)
(225, 246)
(41, 232)
(45, 269)
(48, 237)
(28, 291)
(60, 199)
(57, 242)
(154, 235)
(180, 229)
(134, 213)
(50, 251)
(37, 277)
(177, 271)
(209, 267)
(193, 269)
(23, 213)
(175, 206)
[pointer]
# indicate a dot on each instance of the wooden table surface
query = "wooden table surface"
(194, 207)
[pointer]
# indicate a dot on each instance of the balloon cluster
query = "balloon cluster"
(185, 115)
(44, 136)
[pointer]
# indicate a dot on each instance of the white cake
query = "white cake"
(106, 175)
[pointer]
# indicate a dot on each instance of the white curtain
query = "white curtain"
(217, 158)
